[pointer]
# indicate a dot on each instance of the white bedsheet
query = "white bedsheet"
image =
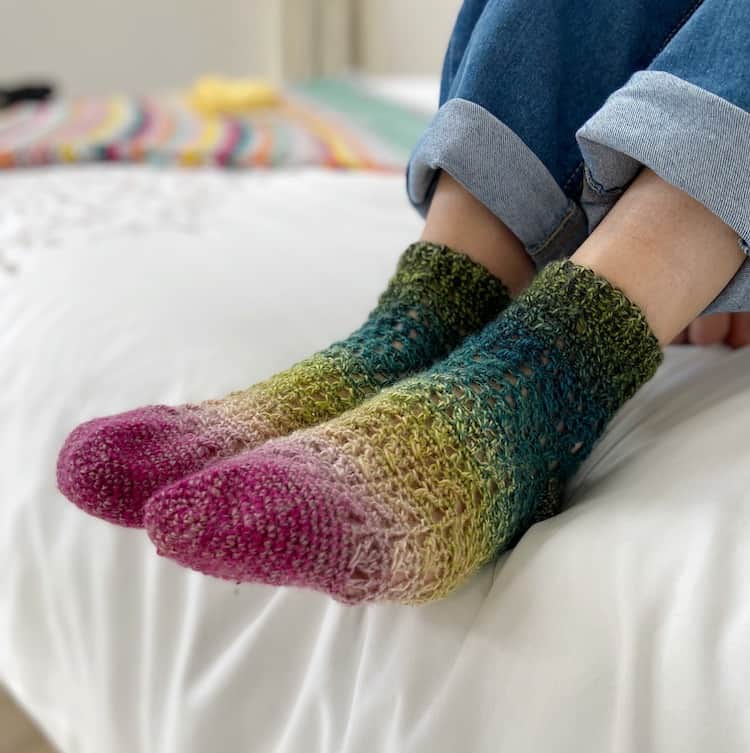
(621, 625)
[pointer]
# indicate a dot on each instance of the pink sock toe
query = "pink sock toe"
(110, 466)
(271, 516)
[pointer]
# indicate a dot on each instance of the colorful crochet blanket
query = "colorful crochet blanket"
(327, 122)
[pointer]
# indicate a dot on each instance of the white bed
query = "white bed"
(621, 625)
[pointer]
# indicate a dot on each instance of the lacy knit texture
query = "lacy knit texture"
(406, 495)
(110, 466)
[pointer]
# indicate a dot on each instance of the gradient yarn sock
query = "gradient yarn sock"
(110, 466)
(406, 495)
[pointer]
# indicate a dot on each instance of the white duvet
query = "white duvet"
(622, 625)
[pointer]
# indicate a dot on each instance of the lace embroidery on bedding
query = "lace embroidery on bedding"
(41, 210)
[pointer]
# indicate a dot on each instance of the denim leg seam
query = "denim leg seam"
(572, 175)
(597, 187)
(538, 249)
(685, 18)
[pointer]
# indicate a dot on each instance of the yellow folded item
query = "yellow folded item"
(213, 95)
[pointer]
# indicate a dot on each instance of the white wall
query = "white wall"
(96, 46)
(403, 36)
(131, 45)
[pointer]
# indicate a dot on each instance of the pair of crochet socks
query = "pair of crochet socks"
(395, 463)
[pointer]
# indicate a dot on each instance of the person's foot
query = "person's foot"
(110, 466)
(730, 329)
(406, 495)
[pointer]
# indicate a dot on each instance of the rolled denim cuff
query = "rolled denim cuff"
(492, 162)
(695, 140)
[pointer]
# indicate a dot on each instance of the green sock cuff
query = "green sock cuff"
(461, 293)
(603, 334)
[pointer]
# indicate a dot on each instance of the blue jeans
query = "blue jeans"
(549, 108)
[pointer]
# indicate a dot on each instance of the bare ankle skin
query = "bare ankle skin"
(652, 244)
(459, 220)
(666, 251)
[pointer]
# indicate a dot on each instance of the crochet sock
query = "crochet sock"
(110, 466)
(406, 495)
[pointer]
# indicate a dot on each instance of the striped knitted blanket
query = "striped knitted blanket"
(327, 122)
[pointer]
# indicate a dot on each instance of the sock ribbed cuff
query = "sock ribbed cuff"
(602, 333)
(461, 293)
